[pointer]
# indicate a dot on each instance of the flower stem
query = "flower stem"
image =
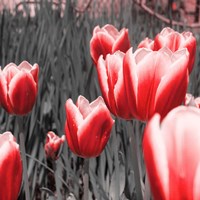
(24, 161)
(86, 179)
(57, 172)
(135, 163)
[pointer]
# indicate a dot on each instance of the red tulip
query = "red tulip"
(88, 126)
(110, 74)
(18, 87)
(10, 167)
(171, 153)
(155, 81)
(107, 40)
(174, 41)
(53, 145)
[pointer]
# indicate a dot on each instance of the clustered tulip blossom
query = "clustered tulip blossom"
(88, 126)
(18, 87)
(10, 167)
(53, 145)
(174, 41)
(171, 153)
(107, 40)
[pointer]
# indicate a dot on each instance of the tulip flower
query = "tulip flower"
(88, 126)
(18, 87)
(155, 81)
(53, 145)
(10, 167)
(111, 80)
(107, 40)
(174, 41)
(171, 152)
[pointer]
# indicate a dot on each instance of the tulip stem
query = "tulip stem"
(86, 179)
(57, 171)
(24, 161)
(135, 159)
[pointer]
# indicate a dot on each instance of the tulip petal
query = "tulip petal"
(122, 42)
(74, 119)
(92, 144)
(5, 102)
(174, 144)
(100, 44)
(103, 80)
(111, 30)
(174, 84)
(22, 93)
(155, 154)
(131, 81)
(182, 141)
(10, 167)
(196, 191)
(83, 106)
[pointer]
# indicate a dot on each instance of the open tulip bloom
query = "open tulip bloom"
(10, 167)
(155, 81)
(88, 126)
(18, 87)
(111, 80)
(171, 153)
(107, 40)
(174, 41)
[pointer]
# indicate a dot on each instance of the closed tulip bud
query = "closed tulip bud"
(88, 126)
(10, 167)
(171, 152)
(155, 81)
(111, 80)
(53, 145)
(18, 87)
(107, 40)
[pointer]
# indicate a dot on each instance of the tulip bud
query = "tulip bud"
(171, 152)
(88, 126)
(53, 145)
(107, 40)
(18, 87)
(10, 167)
